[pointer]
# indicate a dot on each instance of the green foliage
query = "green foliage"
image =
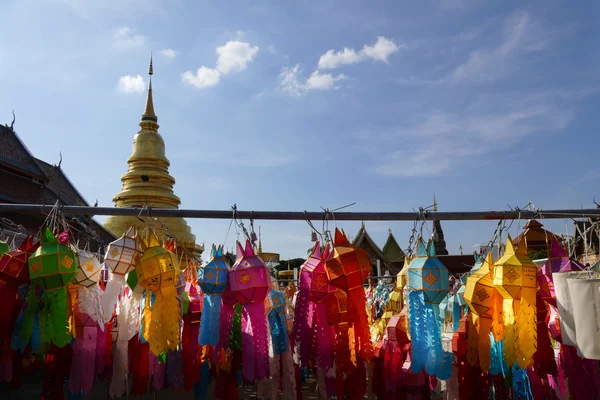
(293, 263)
(537, 255)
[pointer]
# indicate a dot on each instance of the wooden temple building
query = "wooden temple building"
(29, 180)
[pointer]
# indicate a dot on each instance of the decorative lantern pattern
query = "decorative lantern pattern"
(88, 273)
(158, 271)
(348, 267)
(212, 279)
(52, 267)
(249, 281)
(277, 323)
(479, 296)
(308, 293)
(121, 257)
(427, 281)
(515, 278)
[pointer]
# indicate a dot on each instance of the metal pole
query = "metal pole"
(308, 215)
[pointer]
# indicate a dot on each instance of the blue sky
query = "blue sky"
(296, 105)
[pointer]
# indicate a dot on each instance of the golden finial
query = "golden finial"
(434, 203)
(149, 114)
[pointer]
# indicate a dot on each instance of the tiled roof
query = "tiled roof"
(14, 153)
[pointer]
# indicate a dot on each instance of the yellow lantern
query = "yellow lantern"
(515, 278)
(479, 296)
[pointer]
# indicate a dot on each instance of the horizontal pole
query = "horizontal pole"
(306, 215)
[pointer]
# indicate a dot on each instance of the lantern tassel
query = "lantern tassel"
(484, 343)
(526, 328)
(210, 320)
(416, 307)
(258, 321)
(115, 285)
(303, 317)
(324, 347)
(247, 347)
(57, 322)
(509, 332)
(472, 339)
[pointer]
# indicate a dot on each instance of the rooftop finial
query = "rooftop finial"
(434, 203)
(149, 114)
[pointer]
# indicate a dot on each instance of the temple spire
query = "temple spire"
(434, 203)
(149, 114)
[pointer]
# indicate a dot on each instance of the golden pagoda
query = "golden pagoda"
(147, 182)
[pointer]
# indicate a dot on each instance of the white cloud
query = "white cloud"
(442, 140)
(203, 78)
(290, 81)
(380, 51)
(320, 81)
(126, 38)
(271, 49)
(521, 35)
(233, 56)
(169, 53)
(131, 84)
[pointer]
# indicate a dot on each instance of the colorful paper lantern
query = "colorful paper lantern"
(348, 267)
(249, 281)
(515, 278)
(277, 323)
(122, 254)
(120, 258)
(52, 267)
(158, 271)
(88, 273)
(427, 274)
(427, 282)
(213, 279)
(479, 296)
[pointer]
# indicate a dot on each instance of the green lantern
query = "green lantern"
(53, 265)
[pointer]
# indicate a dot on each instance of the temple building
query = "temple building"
(364, 241)
(147, 182)
(29, 180)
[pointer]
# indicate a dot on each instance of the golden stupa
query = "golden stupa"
(147, 182)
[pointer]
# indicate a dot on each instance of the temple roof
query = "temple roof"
(26, 179)
(15, 155)
(363, 239)
(392, 250)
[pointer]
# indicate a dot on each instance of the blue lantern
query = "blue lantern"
(427, 283)
(212, 279)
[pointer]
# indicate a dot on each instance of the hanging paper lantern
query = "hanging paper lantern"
(427, 274)
(81, 377)
(348, 267)
(191, 330)
(249, 281)
(479, 296)
(313, 287)
(558, 261)
(427, 282)
(122, 254)
(88, 273)
(515, 278)
(277, 323)
(396, 300)
(212, 279)
(13, 273)
(52, 267)
(120, 258)
(321, 291)
(157, 271)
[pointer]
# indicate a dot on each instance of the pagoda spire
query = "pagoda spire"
(149, 114)
(434, 203)
(148, 182)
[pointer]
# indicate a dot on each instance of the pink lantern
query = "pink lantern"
(250, 283)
